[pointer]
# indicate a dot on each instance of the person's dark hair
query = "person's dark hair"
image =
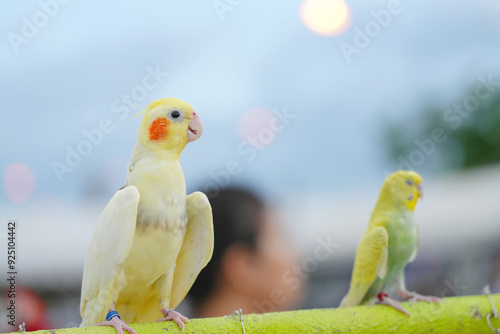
(236, 216)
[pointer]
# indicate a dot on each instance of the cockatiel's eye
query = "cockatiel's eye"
(410, 182)
(176, 115)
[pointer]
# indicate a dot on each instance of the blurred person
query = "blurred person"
(250, 261)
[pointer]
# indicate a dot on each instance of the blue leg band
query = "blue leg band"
(111, 315)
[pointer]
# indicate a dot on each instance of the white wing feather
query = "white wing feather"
(197, 247)
(109, 247)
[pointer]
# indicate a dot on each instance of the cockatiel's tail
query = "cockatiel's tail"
(390, 242)
(151, 241)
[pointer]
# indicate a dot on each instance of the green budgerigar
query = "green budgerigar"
(390, 242)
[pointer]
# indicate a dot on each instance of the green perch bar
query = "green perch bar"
(456, 315)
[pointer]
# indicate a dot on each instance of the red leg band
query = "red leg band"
(382, 295)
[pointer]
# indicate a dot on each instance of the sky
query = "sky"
(330, 74)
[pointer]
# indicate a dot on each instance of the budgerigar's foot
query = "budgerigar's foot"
(385, 300)
(175, 316)
(119, 325)
(415, 297)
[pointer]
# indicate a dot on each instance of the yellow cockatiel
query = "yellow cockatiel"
(151, 241)
(390, 242)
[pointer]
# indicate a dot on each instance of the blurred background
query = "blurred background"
(309, 103)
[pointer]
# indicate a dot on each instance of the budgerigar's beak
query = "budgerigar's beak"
(420, 190)
(195, 128)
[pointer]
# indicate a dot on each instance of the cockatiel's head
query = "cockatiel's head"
(404, 187)
(169, 124)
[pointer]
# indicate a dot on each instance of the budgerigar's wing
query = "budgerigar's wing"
(370, 263)
(415, 250)
(197, 247)
(109, 247)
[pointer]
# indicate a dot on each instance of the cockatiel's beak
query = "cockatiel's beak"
(195, 128)
(420, 190)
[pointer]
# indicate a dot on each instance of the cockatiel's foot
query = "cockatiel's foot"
(385, 300)
(415, 297)
(171, 314)
(119, 325)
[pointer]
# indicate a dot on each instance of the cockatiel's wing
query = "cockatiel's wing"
(109, 247)
(197, 247)
(370, 263)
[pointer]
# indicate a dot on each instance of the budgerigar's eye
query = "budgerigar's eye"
(175, 114)
(410, 182)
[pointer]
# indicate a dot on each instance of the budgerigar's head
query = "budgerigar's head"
(169, 124)
(405, 187)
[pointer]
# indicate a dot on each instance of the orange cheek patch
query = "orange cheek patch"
(158, 129)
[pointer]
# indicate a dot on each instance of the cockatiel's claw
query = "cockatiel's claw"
(119, 325)
(175, 316)
(384, 300)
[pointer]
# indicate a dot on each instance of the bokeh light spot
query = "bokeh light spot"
(257, 127)
(19, 182)
(325, 17)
